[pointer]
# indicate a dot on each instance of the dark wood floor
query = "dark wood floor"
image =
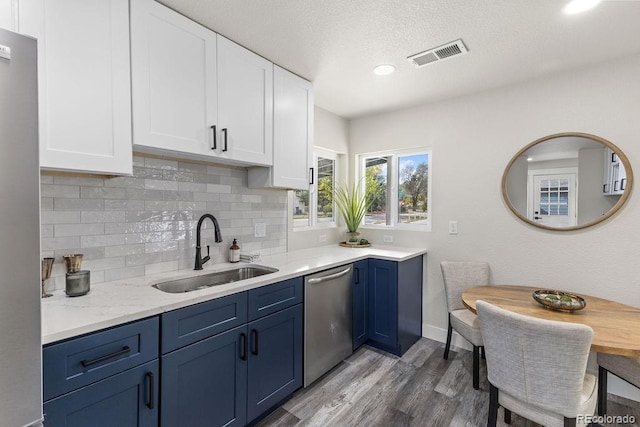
(373, 388)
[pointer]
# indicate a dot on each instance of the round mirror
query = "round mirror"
(567, 181)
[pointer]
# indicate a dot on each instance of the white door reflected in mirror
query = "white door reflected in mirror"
(567, 181)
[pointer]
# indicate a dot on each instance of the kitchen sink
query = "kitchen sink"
(213, 279)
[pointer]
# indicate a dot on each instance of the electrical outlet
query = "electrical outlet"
(387, 238)
(322, 238)
(453, 227)
(260, 229)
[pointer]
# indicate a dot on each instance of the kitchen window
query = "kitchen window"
(398, 185)
(315, 206)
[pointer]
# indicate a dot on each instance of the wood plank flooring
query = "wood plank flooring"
(373, 388)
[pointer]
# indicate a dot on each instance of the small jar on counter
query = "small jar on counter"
(234, 252)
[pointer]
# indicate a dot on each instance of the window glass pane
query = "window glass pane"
(413, 174)
(326, 178)
(376, 190)
(301, 208)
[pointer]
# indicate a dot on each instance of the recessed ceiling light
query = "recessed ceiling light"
(577, 6)
(384, 69)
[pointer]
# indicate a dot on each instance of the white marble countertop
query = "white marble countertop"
(113, 303)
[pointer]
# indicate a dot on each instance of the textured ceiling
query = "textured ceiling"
(337, 43)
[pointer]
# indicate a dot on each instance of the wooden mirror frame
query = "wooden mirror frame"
(621, 202)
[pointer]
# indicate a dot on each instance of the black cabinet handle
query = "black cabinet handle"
(613, 157)
(87, 363)
(151, 394)
(311, 173)
(224, 131)
(615, 185)
(604, 188)
(243, 348)
(215, 138)
(254, 338)
(622, 183)
(357, 270)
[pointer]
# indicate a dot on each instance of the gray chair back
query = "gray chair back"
(459, 276)
(539, 362)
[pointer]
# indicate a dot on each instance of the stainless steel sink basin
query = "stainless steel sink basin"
(213, 279)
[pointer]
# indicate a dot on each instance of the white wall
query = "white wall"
(473, 138)
(332, 133)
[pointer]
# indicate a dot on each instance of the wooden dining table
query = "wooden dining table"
(616, 326)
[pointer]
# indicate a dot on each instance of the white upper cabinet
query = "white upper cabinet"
(84, 83)
(292, 134)
(173, 61)
(197, 94)
(245, 104)
(8, 14)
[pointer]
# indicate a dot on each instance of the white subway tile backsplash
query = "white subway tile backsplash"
(145, 223)
(62, 230)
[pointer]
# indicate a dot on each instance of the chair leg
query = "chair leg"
(446, 347)
(493, 406)
(569, 422)
(507, 416)
(476, 367)
(602, 390)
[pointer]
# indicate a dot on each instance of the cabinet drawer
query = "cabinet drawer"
(271, 298)
(190, 324)
(81, 361)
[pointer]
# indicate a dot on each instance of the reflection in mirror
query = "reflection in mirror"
(567, 181)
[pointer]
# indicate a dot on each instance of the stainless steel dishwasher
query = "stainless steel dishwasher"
(327, 321)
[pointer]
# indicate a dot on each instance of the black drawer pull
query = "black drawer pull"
(151, 394)
(243, 343)
(224, 131)
(254, 335)
(87, 363)
(215, 137)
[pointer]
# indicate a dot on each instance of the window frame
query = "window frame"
(313, 222)
(393, 184)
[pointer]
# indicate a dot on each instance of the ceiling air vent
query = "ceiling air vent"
(438, 54)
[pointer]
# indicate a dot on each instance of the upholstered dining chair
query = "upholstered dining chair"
(536, 367)
(458, 277)
(627, 368)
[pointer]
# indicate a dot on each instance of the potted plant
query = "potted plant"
(352, 204)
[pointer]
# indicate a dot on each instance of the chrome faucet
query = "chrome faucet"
(199, 259)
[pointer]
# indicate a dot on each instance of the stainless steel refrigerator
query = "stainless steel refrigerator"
(20, 340)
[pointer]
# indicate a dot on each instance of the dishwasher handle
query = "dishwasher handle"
(315, 280)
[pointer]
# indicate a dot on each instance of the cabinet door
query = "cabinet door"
(275, 359)
(84, 83)
(205, 384)
(245, 104)
(383, 302)
(126, 399)
(173, 69)
(8, 14)
(292, 130)
(360, 303)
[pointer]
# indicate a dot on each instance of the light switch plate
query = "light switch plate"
(322, 238)
(5, 52)
(387, 238)
(453, 227)
(260, 229)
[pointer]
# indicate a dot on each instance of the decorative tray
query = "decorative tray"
(559, 300)
(349, 245)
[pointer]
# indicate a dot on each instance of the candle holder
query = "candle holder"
(47, 264)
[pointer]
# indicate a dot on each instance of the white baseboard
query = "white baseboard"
(615, 385)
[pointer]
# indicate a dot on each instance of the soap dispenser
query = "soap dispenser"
(234, 252)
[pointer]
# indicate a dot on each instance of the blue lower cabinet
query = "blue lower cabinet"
(395, 304)
(205, 384)
(275, 359)
(383, 301)
(126, 399)
(360, 303)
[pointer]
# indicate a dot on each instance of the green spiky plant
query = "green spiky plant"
(352, 205)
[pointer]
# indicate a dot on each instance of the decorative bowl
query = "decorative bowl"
(559, 300)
